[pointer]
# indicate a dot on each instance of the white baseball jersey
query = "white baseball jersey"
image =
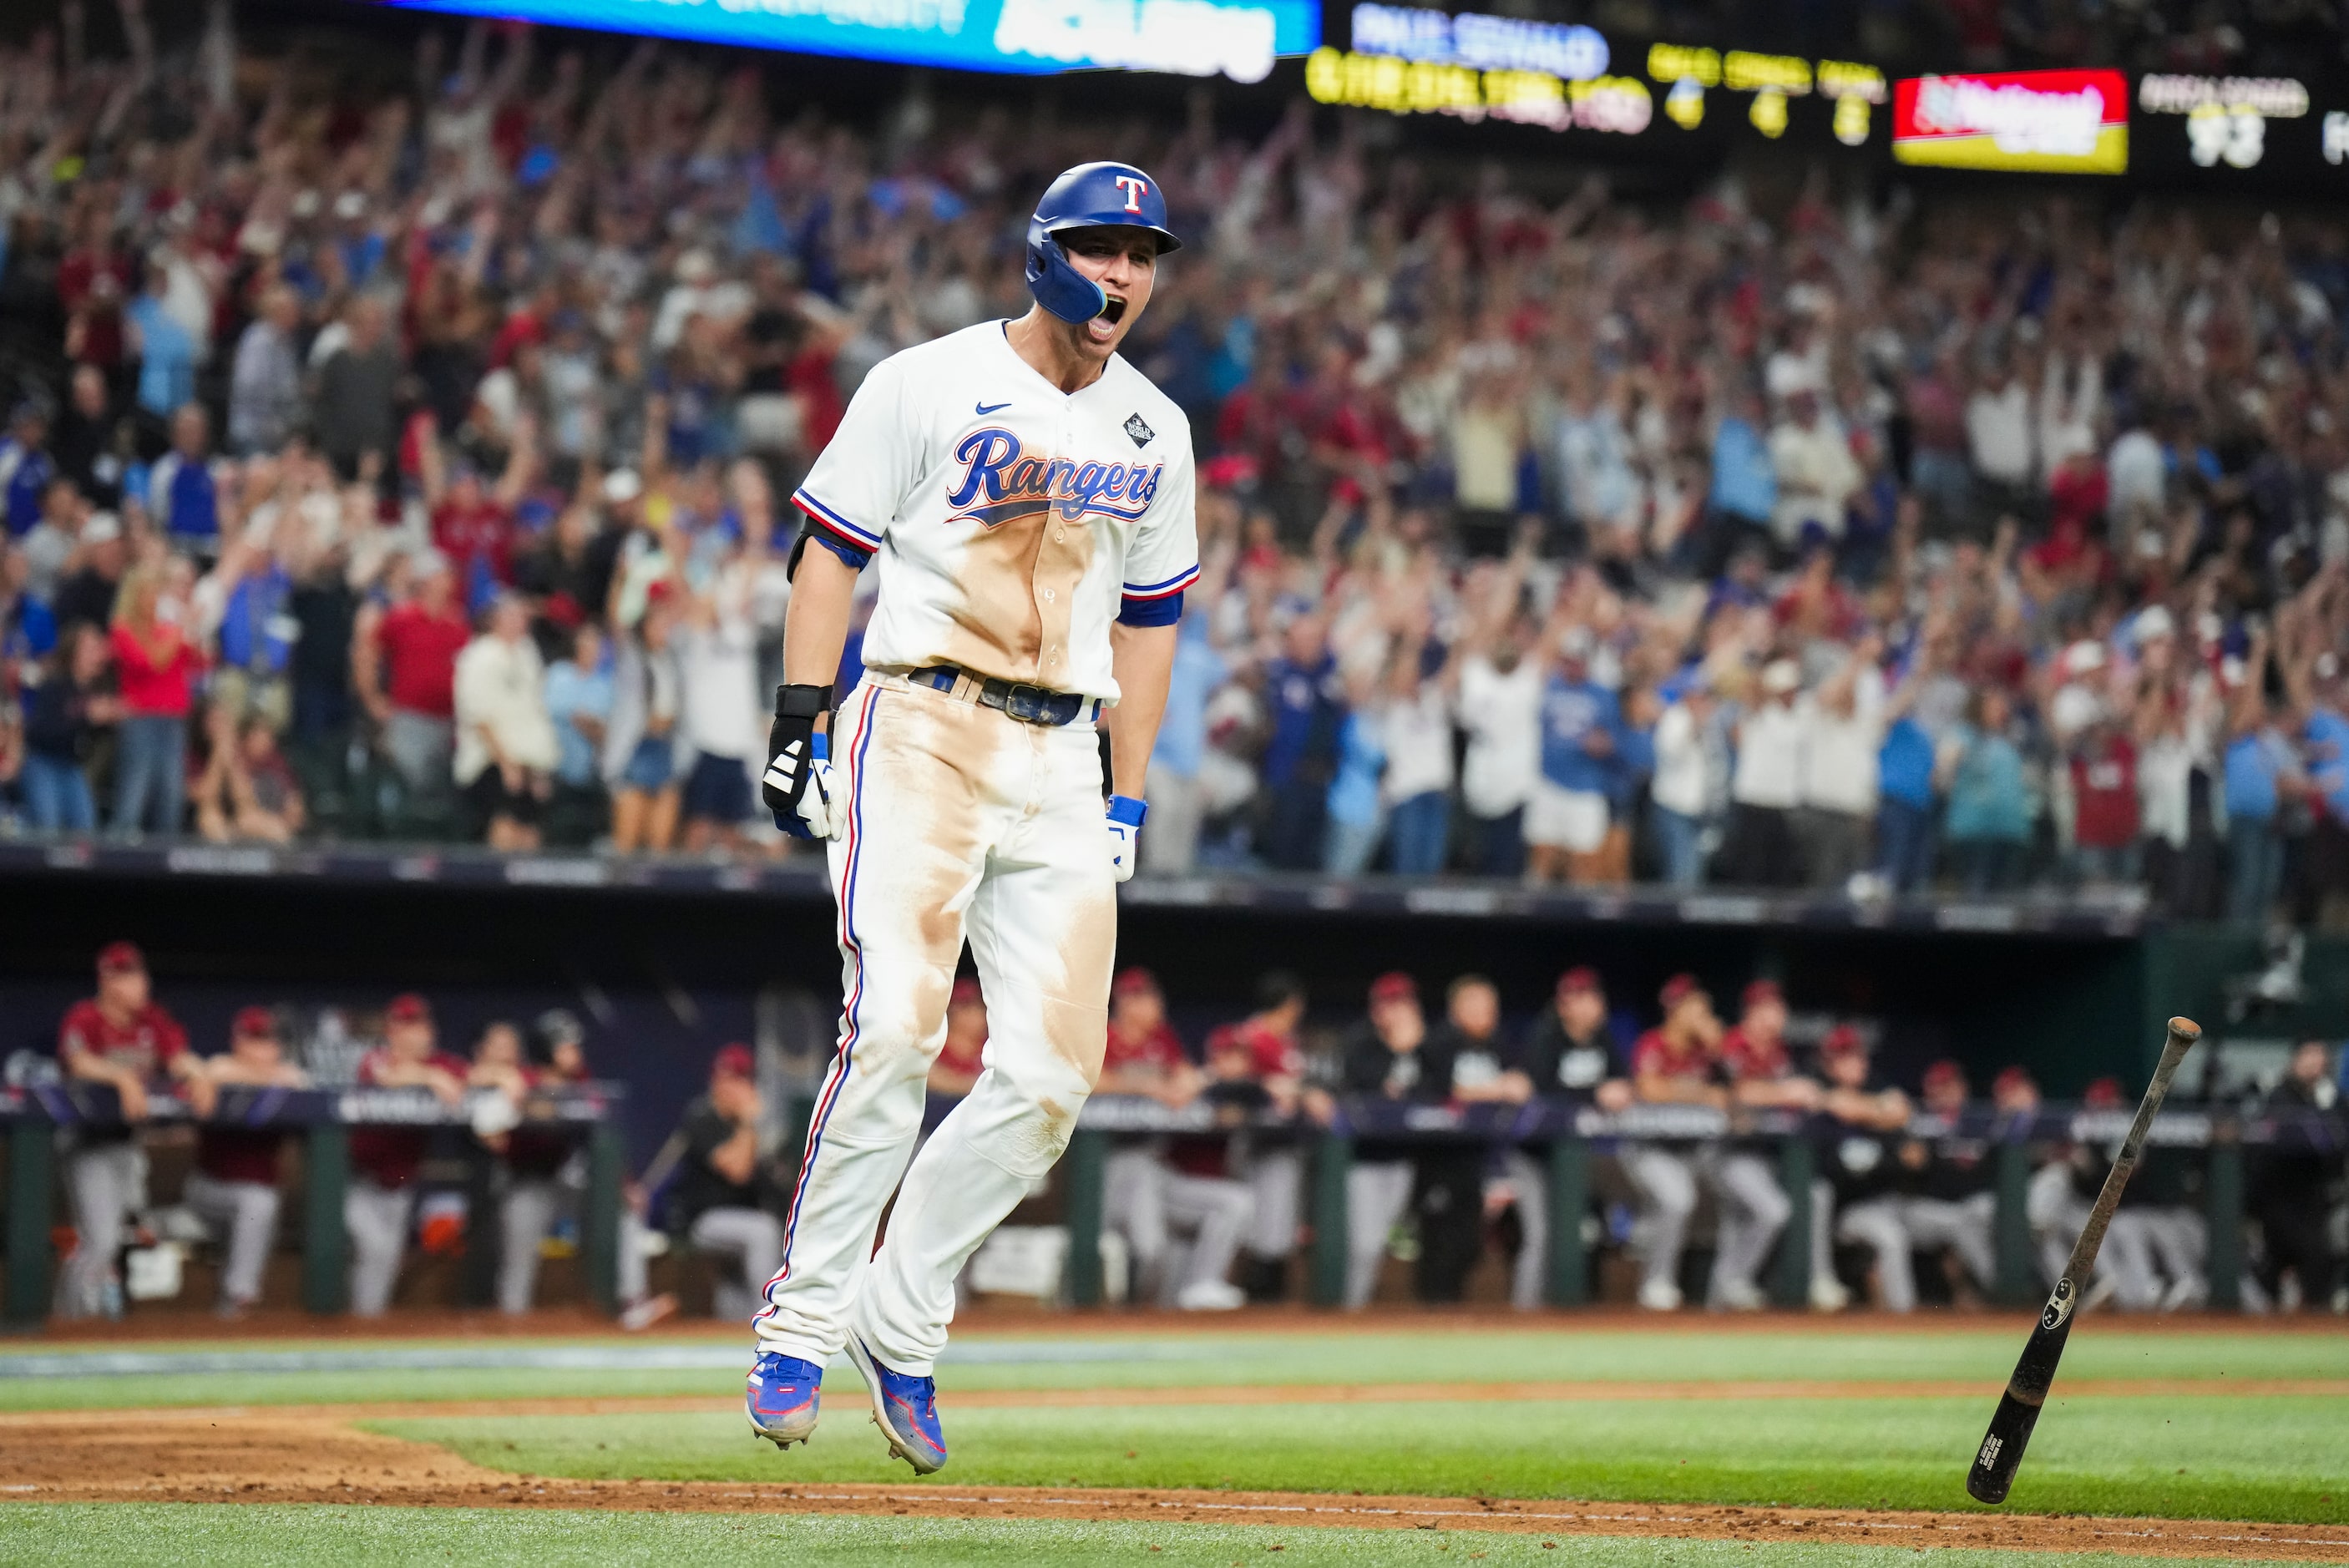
(1012, 521)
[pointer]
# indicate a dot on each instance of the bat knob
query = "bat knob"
(2185, 1029)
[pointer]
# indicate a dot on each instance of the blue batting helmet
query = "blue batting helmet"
(1089, 196)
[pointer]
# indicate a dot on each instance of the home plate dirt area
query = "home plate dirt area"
(316, 1455)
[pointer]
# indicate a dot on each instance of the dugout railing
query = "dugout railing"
(41, 1120)
(1572, 1135)
(38, 1123)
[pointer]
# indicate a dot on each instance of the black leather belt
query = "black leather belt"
(1028, 704)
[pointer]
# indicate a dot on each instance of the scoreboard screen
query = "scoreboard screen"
(1235, 38)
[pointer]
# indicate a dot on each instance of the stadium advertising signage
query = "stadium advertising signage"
(1475, 67)
(1236, 38)
(2051, 122)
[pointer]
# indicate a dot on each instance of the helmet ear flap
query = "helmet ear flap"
(1058, 286)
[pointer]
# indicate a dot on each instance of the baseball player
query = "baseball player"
(1948, 1189)
(380, 1202)
(235, 1184)
(1672, 1064)
(124, 1038)
(1149, 1187)
(1026, 497)
(1258, 1063)
(1569, 1055)
(1754, 1208)
(1857, 1198)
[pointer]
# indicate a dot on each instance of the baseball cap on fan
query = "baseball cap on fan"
(253, 1023)
(1679, 989)
(408, 1008)
(732, 1061)
(120, 958)
(1581, 978)
(1135, 981)
(1394, 986)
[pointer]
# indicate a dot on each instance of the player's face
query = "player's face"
(1138, 1012)
(1124, 262)
(1476, 1010)
(125, 988)
(410, 1039)
(500, 1046)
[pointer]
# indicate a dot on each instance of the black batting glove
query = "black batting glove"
(791, 753)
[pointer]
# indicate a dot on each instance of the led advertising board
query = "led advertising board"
(2047, 122)
(1236, 38)
(1416, 60)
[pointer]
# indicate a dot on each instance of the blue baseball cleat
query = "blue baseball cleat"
(905, 1409)
(783, 1394)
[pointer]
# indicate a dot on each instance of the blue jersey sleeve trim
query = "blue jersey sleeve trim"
(1163, 611)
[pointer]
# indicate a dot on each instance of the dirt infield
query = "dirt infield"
(282, 1457)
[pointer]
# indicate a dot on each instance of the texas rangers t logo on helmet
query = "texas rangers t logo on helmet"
(1089, 196)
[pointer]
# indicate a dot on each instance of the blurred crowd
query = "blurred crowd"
(401, 458)
(1903, 1187)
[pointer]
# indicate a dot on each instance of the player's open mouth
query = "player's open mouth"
(1104, 327)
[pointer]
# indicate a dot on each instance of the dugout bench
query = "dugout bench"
(38, 1120)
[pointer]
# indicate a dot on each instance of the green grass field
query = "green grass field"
(2279, 1457)
(1090, 1358)
(108, 1536)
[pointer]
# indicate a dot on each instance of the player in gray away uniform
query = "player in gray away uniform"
(1948, 1199)
(1754, 1208)
(1152, 1187)
(1858, 1200)
(381, 1204)
(233, 1187)
(122, 1038)
(1567, 1055)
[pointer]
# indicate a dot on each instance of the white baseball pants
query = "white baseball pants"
(1276, 1180)
(1753, 1210)
(247, 1213)
(960, 820)
(1377, 1193)
(1875, 1223)
(1526, 1179)
(1964, 1225)
(1149, 1201)
(525, 1218)
(106, 1181)
(378, 1218)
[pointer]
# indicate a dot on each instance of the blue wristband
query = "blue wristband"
(1127, 811)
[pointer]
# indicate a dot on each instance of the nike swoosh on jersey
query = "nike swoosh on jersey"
(990, 408)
